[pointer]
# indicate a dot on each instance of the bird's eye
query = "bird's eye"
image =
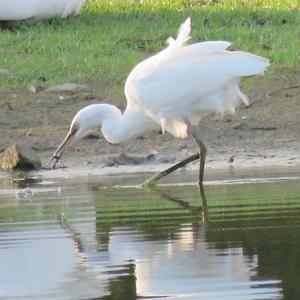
(76, 125)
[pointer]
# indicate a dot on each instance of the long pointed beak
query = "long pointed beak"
(56, 156)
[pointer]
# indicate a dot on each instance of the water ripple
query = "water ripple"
(77, 241)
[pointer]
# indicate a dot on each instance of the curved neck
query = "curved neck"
(118, 127)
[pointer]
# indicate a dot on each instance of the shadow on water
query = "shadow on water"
(76, 240)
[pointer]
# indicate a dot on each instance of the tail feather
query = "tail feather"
(183, 34)
(248, 64)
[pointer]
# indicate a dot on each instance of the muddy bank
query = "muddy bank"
(265, 134)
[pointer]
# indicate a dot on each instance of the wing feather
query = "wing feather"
(186, 82)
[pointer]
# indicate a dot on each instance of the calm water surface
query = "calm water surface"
(77, 239)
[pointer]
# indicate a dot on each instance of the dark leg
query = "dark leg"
(202, 153)
(153, 179)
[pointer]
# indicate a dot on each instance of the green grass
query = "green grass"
(121, 6)
(101, 45)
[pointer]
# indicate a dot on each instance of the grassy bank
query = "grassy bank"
(103, 43)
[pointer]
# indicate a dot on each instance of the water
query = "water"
(76, 239)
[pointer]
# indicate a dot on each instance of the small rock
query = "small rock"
(69, 87)
(29, 133)
(19, 157)
(126, 160)
(32, 89)
(35, 89)
(231, 159)
(227, 118)
(167, 160)
(24, 194)
(107, 162)
(237, 126)
(4, 72)
(154, 152)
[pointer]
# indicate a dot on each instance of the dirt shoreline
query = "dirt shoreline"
(263, 135)
(244, 169)
(242, 165)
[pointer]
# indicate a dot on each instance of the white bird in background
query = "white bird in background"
(13, 10)
(172, 90)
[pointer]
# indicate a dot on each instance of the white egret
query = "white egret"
(172, 90)
(14, 10)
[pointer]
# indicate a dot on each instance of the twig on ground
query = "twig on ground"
(269, 95)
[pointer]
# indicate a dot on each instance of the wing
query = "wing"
(175, 51)
(184, 82)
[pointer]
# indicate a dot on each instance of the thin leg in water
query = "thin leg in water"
(153, 179)
(202, 154)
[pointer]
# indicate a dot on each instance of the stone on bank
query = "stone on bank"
(19, 157)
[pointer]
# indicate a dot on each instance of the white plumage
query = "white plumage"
(182, 82)
(14, 10)
(173, 90)
(187, 82)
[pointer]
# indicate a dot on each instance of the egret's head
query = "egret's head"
(81, 123)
